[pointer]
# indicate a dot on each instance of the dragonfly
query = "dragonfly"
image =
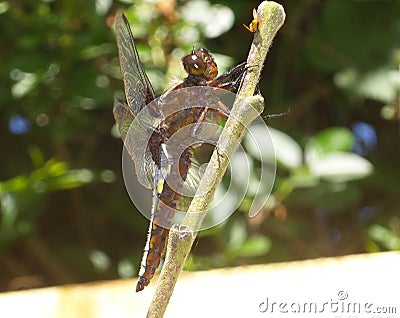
(162, 163)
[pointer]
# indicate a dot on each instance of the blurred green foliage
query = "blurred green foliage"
(65, 216)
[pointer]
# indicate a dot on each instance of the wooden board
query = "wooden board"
(274, 290)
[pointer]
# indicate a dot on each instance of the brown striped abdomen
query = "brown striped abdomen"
(163, 212)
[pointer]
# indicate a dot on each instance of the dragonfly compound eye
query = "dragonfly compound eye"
(193, 65)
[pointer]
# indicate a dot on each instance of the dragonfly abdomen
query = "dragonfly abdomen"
(155, 245)
(164, 207)
(163, 212)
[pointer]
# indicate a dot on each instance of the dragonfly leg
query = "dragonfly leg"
(231, 79)
(222, 111)
(277, 115)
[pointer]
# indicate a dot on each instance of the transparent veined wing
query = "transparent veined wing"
(138, 89)
(135, 138)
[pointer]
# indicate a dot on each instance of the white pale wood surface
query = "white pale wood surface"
(370, 281)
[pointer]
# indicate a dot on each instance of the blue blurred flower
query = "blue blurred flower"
(366, 139)
(19, 125)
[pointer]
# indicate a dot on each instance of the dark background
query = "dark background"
(65, 215)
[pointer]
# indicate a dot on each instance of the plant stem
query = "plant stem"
(246, 108)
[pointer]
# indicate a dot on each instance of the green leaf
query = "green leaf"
(9, 211)
(327, 141)
(302, 178)
(71, 179)
(94, 51)
(237, 235)
(286, 150)
(17, 184)
(100, 260)
(384, 236)
(4, 6)
(254, 246)
(376, 84)
(24, 85)
(341, 167)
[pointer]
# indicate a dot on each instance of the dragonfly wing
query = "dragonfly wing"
(138, 89)
(135, 139)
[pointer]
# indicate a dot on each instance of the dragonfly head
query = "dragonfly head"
(200, 63)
